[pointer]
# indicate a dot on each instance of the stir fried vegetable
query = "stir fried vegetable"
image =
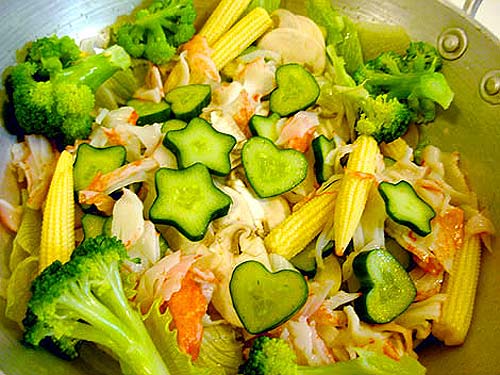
(258, 177)
(156, 32)
(83, 299)
(272, 356)
(60, 107)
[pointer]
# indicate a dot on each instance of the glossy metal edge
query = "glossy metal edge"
(470, 126)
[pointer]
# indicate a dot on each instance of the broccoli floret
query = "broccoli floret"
(422, 57)
(158, 30)
(84, 300)
(388, 62)
(52, 54)
(273, 356)
(382, 117)
(413, 79)
(60, 107)
(270, 356)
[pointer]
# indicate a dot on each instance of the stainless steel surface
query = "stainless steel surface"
(25, 20)
(472, 6)
(452, 43)
(470, 126)
(490, 87)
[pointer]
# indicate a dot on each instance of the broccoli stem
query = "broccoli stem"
(129, 339)
(94, 70)
(100, 321)
(115, 300)
(421, 85)
(156, 33)
(111, 322)
(159, 16)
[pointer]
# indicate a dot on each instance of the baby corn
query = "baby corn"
(240, 36)
(222, 18)
(354, 190)
(460, 289)
(58, 234)
(297, 230)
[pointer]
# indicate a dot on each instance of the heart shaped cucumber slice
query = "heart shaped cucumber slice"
(264, 300)
(297, 90)
(188, 101)
(387, 289)
(270, 170)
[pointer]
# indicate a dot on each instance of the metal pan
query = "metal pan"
(470, 126)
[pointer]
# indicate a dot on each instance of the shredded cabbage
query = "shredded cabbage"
(420, 315)
(138, 235)
(34, 160)
(327, 328)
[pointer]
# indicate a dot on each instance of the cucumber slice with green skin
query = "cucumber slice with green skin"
(92, 160)
(188, 101)
(164, 247)
(150, 112)
(173, 124)
(321, 147)
(199, 142)
(389, 162)
(263, 300)
(297, 90)
(402, 255)
(264, 126)
(270, 170)
(92, 225)
(387, 289)
(106, 229)
(405, 207)
(188, 200)
(305, 261)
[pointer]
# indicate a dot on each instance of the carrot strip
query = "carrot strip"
(188, 306)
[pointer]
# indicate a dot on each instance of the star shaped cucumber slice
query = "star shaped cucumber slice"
(199, 142)
(188, 200)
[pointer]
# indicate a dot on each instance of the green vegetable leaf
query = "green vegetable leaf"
(369, 363)
(341, 32)
(374, 363)
(165, 340)
(18, 288)
(23, 263)
(28, 235)
(220, 348)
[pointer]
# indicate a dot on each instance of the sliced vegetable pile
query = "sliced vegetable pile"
(257, 197)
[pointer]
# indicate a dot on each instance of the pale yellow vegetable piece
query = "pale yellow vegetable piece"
(286, 19)
(460, 288)
(330, 272)
(354, 190)
(240, 36)
(294, 233)
(58, 233)
(18, 289)
(376, 38)
(396, 150)
(294, 46)
(222, 18)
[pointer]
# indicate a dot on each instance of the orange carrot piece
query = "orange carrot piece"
(188, 306)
